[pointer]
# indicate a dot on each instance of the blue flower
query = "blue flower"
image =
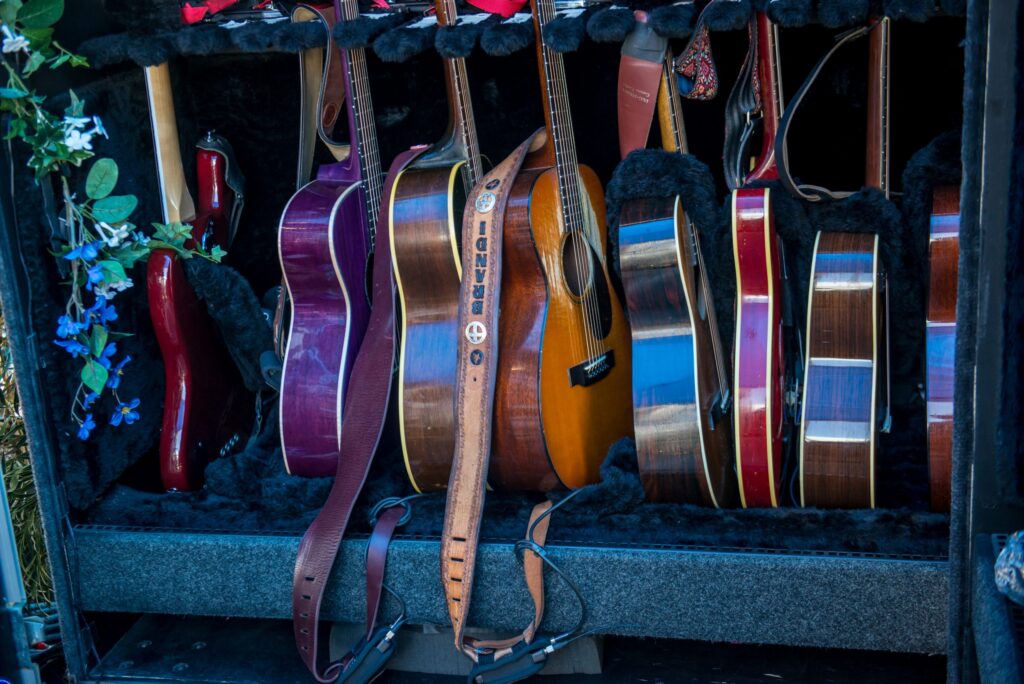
(68, 328)
(114, 381)
(125, 412)
(73, 347)
(104, 356)
(86, 427)
(102, 313)
(88, 251)
(95, 276)
(89, 400)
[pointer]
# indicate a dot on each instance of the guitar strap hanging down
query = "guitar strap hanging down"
(477, 367)
(640, 71)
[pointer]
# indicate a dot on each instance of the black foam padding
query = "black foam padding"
(404, 43)
(876, 603)
(839, 13)
(610, 25)
(791, 12)
(728, 16)
(565, 33)
(459, 40)
(203, 39)
(913, 10)
(361, 31)
(237, 314)
(673, 21)
(506, 37)
(995, 632)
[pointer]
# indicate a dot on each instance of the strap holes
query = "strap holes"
(459, 539)
(311, 579)
(455, 579)
(305, 648)
(307, 597)
(456, 560)
(303, 631)
(456, 600)
(303, 615)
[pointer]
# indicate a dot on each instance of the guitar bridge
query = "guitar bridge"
(591, 371)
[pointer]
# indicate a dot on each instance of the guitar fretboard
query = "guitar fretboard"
(461, 115)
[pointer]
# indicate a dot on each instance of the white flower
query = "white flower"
(140, 238)
(97, 127)
(102, 291)
(76, 140)
(122, 285)
(12, 41)
(111, 235)
(73, 122)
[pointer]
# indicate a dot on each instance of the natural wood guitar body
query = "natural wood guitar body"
(683, 455)
(844, 372)
(943, 257)
(426, 213)
(548, 432)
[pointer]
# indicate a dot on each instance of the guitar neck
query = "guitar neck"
(770, 95)
(670, 110)
(461, 134)
(561, 146)
(877, 158)
(175, 199)
(362, 127)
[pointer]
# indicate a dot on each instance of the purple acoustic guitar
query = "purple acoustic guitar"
(326, 235)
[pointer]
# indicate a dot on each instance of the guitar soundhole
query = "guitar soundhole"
(577, 264)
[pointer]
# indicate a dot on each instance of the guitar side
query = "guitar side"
(323, 248)
(425, 214)
(759, 356)
(548, 431)
(682, 457)
(841, 382)
(943, 257)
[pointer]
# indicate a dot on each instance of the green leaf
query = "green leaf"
(12, 93)
(113, 271)
(115, 208)
(35, 60)
(9, 11)
(38, 37)
(40, 13)
(94, 376)
(97, 340)
(102, 178)
(217, 254)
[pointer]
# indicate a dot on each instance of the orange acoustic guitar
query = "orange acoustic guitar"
(846, 383)
(426, 213)
(563, 385)
(680, 381)
(943, 256)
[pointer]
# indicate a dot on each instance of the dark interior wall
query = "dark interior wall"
(252, 100)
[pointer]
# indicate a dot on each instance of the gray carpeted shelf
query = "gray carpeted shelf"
(864, 601)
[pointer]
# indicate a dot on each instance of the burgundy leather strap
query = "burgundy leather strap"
(365, 411)
(376, 562)
(640, 72)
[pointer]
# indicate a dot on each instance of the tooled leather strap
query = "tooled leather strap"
(476, 373)
(640, 71)
(809, 193)
(365, 412)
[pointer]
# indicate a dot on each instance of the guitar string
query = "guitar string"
(570, 182)
(460, 83)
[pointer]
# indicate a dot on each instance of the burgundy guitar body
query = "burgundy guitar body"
(206, 409)
(759, 361)
(943, 256)
(324, 242)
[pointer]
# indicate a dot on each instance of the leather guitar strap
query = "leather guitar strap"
(640, 71)
(364, 416)
(476, 373)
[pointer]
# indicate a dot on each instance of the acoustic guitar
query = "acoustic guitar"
(759, 360)
(940, 339)
(206, 409)
(563, 382)
(426, 218)
(845, 383)
(326, 236)
(680, 384)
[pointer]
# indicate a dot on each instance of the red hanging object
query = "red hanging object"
(192, 13)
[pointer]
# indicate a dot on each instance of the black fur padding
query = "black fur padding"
(237, 314)
(145, 16)
(253, 37)
(791, 12)
(504, 38)
(914, 10)
(728, 16)
(565, 33)
(954, 8)
(610, 25)
(839, 13)
(673, 21)
(361, 31)
(404, 43)
(458, 40)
